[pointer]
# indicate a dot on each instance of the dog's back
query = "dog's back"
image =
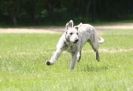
(87, 32)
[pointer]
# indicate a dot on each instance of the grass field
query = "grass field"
(23, 57)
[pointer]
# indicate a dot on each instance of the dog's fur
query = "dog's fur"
(73, 40)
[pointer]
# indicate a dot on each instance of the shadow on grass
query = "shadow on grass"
(89, 68)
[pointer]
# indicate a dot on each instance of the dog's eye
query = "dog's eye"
(77, 33)
(71, 33)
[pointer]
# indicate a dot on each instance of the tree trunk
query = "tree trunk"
(50, 10)
(88, 8)
(13, 18)
(93, 10)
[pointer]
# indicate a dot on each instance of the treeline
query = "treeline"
(40, 11)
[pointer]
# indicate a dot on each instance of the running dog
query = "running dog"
(73, 40)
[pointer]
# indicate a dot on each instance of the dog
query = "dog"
(73, 40)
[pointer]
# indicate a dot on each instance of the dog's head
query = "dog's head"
(71, 32)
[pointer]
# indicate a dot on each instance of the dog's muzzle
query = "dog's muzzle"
(76, 41)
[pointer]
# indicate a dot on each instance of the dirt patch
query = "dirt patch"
(26, 30)
(112, 50)
(116, 26)
(116, 50)
(55, 29)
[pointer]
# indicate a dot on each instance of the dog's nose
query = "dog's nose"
(76, 41)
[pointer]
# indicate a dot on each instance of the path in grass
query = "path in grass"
(55, 29)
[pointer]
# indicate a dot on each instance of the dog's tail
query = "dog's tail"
(101, 40)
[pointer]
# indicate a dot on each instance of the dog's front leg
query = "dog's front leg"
(59, 48)
(74, 60)
(78, 56)
(55, 56)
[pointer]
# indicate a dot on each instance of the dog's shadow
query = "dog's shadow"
(90, 68)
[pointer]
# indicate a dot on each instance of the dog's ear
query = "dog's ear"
(76, 27)
(69, 24)
(80, 24)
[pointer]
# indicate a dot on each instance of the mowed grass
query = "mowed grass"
(23, 57)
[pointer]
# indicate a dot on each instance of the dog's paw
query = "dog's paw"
(98, 59)
(48, 63)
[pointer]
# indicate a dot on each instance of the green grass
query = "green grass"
(23, 57)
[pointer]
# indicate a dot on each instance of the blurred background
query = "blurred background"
(58, 12)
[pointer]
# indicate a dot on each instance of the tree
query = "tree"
(10, 8)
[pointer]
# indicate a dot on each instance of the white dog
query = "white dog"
(73, 40)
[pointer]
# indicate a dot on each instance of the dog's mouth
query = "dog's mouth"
(76, 41)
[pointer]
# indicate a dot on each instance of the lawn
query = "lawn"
(23, 57)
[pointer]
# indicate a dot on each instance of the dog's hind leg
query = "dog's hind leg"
(95, 48)
(95, 45)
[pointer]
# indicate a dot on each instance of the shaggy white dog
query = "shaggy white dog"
(73, 40)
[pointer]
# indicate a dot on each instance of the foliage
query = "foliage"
(39, 11)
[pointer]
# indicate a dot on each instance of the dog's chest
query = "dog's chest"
(71, 48)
